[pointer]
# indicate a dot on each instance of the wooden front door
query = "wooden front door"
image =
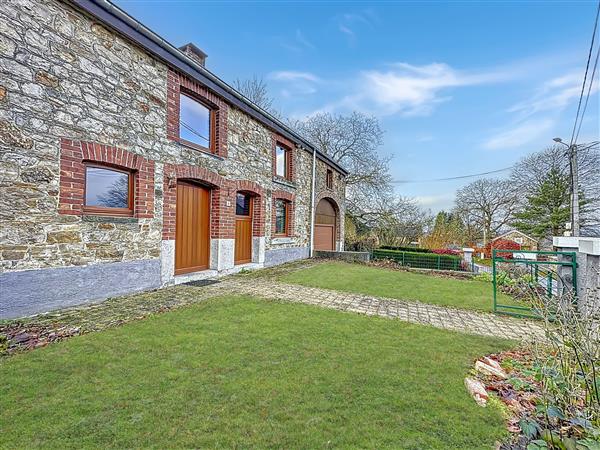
(192, 229)
(325, 222)
(243, 228)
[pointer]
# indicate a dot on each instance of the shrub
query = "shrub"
(405, 249)
(420, 260)
(503, 244)
(445, 251)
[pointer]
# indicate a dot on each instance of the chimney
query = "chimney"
(194, 52)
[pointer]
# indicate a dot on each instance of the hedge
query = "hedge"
(405, 249)
(420, 260)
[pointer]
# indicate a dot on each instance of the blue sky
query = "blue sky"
(459, 87)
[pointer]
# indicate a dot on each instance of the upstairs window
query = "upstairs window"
(108, 191)
(329, 179)
(195, 122)
(282, 162)
(281, 217)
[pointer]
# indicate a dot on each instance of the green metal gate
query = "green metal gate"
(551, 272)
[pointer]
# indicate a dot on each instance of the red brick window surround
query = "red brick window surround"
(288, 200)
(280, 143)
(178, 84)
(76, 156)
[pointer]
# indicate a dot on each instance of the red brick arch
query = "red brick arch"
(336, 205)
(222, 221)
(258, 212)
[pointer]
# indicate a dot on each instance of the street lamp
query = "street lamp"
(572, 152)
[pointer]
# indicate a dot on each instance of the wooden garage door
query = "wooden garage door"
(192, 229)
(325, 222)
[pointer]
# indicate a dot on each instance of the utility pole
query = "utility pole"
(572, 153)
(574, 190)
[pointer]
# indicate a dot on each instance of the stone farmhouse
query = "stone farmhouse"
(126, 165)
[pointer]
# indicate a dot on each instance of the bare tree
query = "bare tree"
(490, 203)
(352, 141)
(530, 174)
(256, 90)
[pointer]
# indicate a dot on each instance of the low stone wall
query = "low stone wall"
(29, 292)
(344, 256)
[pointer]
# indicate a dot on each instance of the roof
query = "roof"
(515, 231)
(123, 23)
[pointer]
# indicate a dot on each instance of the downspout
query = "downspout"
(312, 204)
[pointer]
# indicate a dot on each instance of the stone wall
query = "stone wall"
(71, 77)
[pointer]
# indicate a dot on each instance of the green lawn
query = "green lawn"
(404, 285)
(241, 372)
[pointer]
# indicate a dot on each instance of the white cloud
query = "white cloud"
(436, 202)
(535, 117)
(293, 83)
(407, 89)
(301, 39)
(349, 23)
(554, 95)
(296, 44)
(520, 134)
(291, 75)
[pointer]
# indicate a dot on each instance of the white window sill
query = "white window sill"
(282, 240)
(284, 182)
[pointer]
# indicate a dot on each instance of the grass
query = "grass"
(241, 372)
(404, 285)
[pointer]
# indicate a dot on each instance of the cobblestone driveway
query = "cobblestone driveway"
(45, 328)
(438, 316)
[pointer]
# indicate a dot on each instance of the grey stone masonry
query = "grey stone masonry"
(68, 77)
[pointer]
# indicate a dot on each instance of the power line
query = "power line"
(587, 97)
(191, 130)
(587, 66)
(460, 177)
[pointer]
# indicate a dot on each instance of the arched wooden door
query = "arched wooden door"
(325, 223)
(243, 228)
(192, 228)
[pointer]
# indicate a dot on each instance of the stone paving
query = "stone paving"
(409, 311)
(42, 329)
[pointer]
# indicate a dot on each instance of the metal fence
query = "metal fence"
(528, 272)
(423, 260)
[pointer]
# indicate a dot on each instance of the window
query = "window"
(329, 179)
(519, 240)
(195, 122)
(281, 216)
(108, 191)
(282, 162)
(242, 204)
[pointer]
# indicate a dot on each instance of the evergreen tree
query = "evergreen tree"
(547, 210)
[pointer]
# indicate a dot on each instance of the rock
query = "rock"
(487, 369)
(22, 337)
(63, 237)
(37, 175)
(492, 362)
(47, 79)
(477, 391)
(11, 136)
(2, 93)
